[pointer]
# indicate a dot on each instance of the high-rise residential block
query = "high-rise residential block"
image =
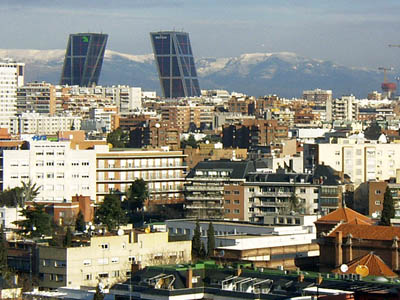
(83, 59)
(175, 63)
(39, 97)
(11, 77)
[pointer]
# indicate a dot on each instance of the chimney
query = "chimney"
(135, 267)
(395, 254)
(189, 278)
(338, 249)
(349, 248)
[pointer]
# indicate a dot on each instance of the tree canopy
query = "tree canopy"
(80, 222)
(136, 195)
(36, 222)
(210, 240)
(388, 208)
(196, 242)
(110, 212)
(118, 138)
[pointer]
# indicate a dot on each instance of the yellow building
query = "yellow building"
(107, 258)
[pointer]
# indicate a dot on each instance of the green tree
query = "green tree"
(196, 241)
(68, 238)
(9, 197)
(388, 208)
(36, 222)
(191, 141)
(210, 240)
(28, 192)
(118, 138)
(110, 212)
(136, 195)
(80, 222)
(3, 252)
(98, 295)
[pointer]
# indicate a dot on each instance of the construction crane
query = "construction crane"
(388, 88)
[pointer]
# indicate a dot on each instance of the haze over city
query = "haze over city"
(352, 33)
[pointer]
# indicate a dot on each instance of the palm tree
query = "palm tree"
(28, 192)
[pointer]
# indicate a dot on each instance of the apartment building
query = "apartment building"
(37, 97)
(11, 77)
(207, 184)
(163, 171)
(43, 124)
(317, 95)
(59, 171)
(107, 258)
(361, 159)
(344, 108)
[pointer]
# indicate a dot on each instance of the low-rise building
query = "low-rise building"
(107, 258)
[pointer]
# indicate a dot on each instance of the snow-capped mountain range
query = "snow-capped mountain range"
(284, 73)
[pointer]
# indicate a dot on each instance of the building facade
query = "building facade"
(11, 77)
(175, 64)
(83, 59)
(107, 258)
(39, 97)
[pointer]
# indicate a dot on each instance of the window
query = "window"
(88, 276)
(131, 259)
(103, 275)
(236, 192)
(227, 211)
(39, 163)
(236, 201)
(85, 163)
(50, 163)
(297, 221)
(227, 201)
(60, 163)
(115, 273)
(50, 175)
(104, 246)
(377, 192)
(39, 175)
(251, 189)
(377, 202)
(115, 260)
(227, 192)
(75, 163)
(46, 262)
(59, 263)
(236, 211)
(60, 175)
(302, 191)
(87, 262)
(75, 175)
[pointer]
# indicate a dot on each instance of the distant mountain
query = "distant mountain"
(284, 73)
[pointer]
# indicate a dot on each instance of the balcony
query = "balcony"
(273, 194)
(204, 188)
(205, 198)
(270, 204)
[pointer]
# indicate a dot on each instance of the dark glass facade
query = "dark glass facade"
(83, 59)
(175, 63)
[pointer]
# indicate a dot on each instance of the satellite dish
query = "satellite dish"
(120, 232)
(344, 268)
(362, 270)
(374, 215)
(157, 125)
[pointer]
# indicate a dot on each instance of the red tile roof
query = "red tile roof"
(376, 266)
(345, 215)
(368, 232)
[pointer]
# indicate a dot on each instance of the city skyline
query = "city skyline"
(352, 34)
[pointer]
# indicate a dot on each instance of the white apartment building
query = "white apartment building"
(59, 171)
(35, 123)
(344, 108)
(11, 77)
(362, 160)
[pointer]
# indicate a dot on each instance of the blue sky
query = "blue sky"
(353, 33)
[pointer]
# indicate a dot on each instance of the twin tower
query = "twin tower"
(173, 56)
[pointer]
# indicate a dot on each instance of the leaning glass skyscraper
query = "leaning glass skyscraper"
(83, 59)
(175, 63)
